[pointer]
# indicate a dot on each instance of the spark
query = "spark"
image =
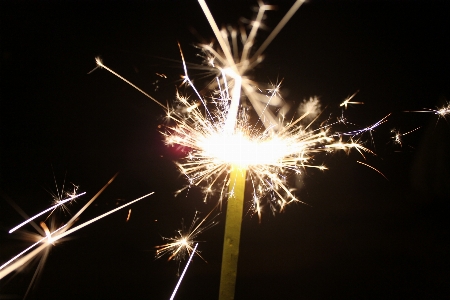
(369, 129)
(347, 101)
(369, 166)
(310, 107)
(397, 135)
(442, 112)
(40, 241)
(182, 244)
(47, 233)
(62, 202)
(100, 65)
(129, 215)
(62, 193)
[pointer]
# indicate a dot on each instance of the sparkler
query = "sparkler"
(226, 148)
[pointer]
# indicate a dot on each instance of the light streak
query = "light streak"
(184, 272)
(60, 194)
(45, 211)
(368, 128)
(101, 65)
(369, 166)
(59, 236)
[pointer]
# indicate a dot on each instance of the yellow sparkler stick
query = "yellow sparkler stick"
(232, 236)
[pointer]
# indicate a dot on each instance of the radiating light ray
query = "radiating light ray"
(42, 259)
(60, 194)
(101, 65)
(235, 66)
(65, 233)
(28, 249)
(79, 212)
(45, 211)
(38, 270)
(184, 272)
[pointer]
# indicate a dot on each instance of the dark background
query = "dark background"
(360, 236)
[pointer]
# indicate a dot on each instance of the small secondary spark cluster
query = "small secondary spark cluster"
(53, 233)
(182, 244)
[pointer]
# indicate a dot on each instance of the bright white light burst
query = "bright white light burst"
(221, 129)
(270, 147)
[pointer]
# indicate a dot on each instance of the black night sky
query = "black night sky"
(360, 236)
